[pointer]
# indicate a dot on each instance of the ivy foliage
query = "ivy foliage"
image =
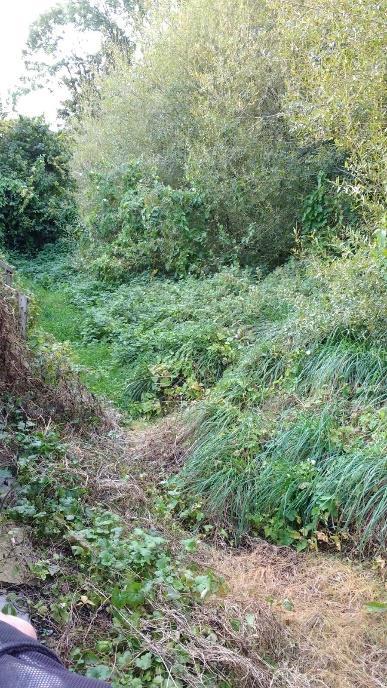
(94, 569)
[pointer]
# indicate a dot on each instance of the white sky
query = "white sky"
(15, 19)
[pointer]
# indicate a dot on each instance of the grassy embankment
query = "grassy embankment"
(234, 344)
(58, 317)
(289, 376)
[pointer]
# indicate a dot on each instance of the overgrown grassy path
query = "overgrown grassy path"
(320, 599)
(57, 316)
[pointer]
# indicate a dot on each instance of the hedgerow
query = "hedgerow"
(37, 203)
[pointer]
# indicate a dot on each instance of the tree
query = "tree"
(203, 108)
(3, 113)
(36, 189)
(335, 60)
(71, 43)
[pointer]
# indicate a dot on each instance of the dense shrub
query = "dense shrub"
(36, 201)
(141, 224)
(333, 55)
(204, 112)
(138, 224)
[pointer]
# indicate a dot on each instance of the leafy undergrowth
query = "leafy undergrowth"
(123, 594)
(151, 345)
(117, 586)
(289, 378)
(109, 589)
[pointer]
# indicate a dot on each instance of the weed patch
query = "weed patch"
(132, 612)
(288, 375)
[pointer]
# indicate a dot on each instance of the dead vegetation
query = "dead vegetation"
(316, 601)
(320, 599)
(47, 385)
(309, 610)
(160, 449)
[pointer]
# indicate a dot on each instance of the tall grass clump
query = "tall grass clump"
(277, 447)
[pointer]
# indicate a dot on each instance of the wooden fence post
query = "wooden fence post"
(22, 299)
(8, 273)
(23, 313)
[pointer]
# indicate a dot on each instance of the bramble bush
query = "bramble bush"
(167, 341)
(142, 225)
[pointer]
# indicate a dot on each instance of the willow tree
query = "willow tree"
(334, 59)
(202, 107)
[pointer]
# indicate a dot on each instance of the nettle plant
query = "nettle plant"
(329, 215)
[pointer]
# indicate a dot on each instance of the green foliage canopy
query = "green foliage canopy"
(36, 189)
(334, 61)
(202, 110)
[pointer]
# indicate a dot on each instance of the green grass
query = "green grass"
(289, 374)
(292, 441)
(359, 482)
(57, 316)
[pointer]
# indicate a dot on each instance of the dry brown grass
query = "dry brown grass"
(159, 449)
(241, 651)
(332, 640)
(338, 644)
(104, 456)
